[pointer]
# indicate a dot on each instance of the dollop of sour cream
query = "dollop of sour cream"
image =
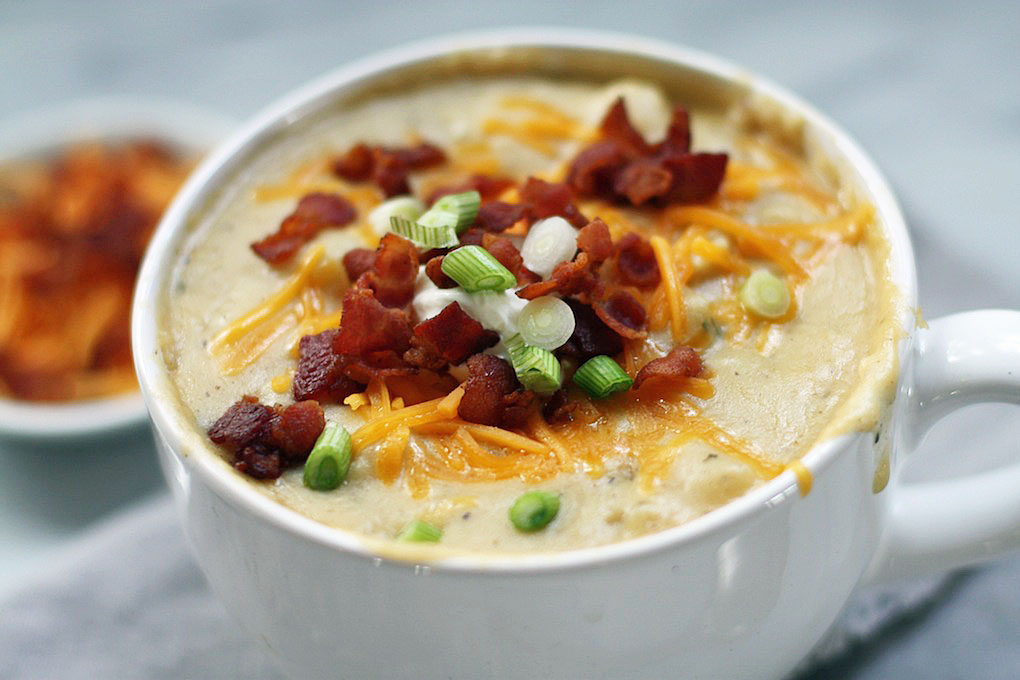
(495, 310)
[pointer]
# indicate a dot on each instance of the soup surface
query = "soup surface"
(765, 382)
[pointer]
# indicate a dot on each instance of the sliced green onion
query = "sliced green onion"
(329, 460)
(546, 322)
(417, 531)
(475, 269)
(537, 369)
(601, 376)
(549, 242)
(765, 294)
(463, 206)
(408, 207)
(424, 236)
(534, 510)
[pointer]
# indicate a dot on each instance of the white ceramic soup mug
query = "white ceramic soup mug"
(742, 592)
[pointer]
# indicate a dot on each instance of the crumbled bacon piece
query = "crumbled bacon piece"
(377, 364)
(580, 275)
(498, 216)
(423, 354)
(696, 176)
(434, 270)
(454, 334)
(264, 440)
(507, 254)
(366, 326)
(388, 167)
(636, 263)
(516, 408)
(319, 372)
(593, 171)
(394, 271)
(616, 126)
(681, 362)
(624, 314)
(297, 427)
(488, 187)
(472, 237)
(559, 408)
(591, 335)
(546, 199)
(356, 165)
(260, 461)
(568, 278)
(244, 423)
(642, 180)
(389, 172)
(595, 241)
(357, 261)
(624, 167)
(313, 213)
(492, 395)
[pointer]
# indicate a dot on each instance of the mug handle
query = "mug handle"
(962, 359)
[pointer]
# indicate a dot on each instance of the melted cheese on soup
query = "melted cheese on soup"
(625, 467)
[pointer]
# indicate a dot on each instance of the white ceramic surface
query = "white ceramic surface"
(743, 592)
(38, 134)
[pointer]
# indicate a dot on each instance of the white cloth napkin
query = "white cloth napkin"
(126, 600)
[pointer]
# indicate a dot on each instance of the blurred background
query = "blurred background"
(930, 90)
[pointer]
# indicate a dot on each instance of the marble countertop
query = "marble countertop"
(931, 90)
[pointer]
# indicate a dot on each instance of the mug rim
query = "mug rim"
(170, 423)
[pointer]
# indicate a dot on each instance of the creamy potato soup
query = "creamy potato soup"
(637, 328)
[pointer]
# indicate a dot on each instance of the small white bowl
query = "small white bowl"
(37, 134)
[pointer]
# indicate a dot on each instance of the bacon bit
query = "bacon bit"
(499, 216)
(517, 408)
(488, 187)
(356, 165)
(636, 263)
(616, 126)
(434, 270)
(681, 362)
(504, 250)
(394, 271)
(265, 440)
(624, 167)
(696, 176)
(591, 336)
(388, 167)
(678, 136)
(624, 314)
(548, 200)
(492, 395)
(244, 423)
(389, 172)
(472, 237)
(568, 278)
(313, 213)
(595, 241)
(559, 409)
(593, 171)
(454, 335)
(643, 180)
(357, 261)
(367, 327)
(423, 354)
(297, 428)
(319, 372)
(579, 276)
